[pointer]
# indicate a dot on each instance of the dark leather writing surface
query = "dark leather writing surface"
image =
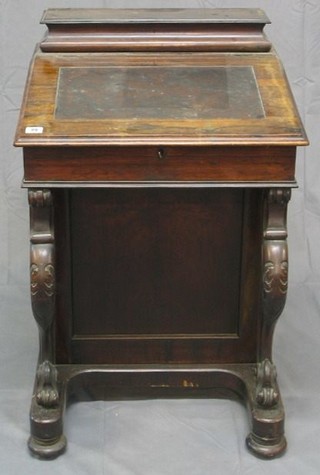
(158, 92)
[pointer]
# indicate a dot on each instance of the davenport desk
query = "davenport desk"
(159, 155)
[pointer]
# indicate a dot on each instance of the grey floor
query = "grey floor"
(164, 437)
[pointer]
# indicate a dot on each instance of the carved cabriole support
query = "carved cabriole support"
(275, 264)
(43, 289)
(275, 284)
(266, 438)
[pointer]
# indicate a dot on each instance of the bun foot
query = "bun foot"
(266, 448)
(47, 449)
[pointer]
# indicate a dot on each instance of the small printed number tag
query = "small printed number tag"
(34, 130)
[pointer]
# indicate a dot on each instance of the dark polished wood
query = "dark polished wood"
(92, 30)
(178, 166)
(40, 126)
(159, 153)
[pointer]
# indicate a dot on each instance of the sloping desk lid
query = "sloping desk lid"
(218, 93)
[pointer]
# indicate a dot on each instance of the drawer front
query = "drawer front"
(72, 165)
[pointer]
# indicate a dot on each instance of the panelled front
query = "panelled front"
(157, 275)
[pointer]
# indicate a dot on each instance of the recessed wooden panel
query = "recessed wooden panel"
(156, 262)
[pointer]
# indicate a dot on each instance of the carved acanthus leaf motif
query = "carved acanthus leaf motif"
(42, 277)
(275, 277)
(274, 268)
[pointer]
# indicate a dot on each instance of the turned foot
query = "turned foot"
(266, 439)
(266, 448)
(46, 448)
(47, 439)
(46, 415)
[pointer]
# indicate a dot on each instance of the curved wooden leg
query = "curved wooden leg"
(47, 406)
(267, 437)
(46, 415)
(275, 265)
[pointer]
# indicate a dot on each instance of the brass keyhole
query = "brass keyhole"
(161, 153)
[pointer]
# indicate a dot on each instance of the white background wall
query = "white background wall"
(194, 437)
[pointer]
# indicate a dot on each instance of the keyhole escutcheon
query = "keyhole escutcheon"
(161, 153)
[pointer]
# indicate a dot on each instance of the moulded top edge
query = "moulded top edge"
(59, 141)
(153, 15)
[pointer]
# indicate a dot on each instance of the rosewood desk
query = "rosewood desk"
(159, 154)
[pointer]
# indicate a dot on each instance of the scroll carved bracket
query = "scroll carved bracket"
(275, 264)
(40, 198)
(47, 394)
(267, 394)
(42, 267)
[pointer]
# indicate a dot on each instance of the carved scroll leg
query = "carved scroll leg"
(267, 436)
(266, 439)
(46, 414)
(47, 406)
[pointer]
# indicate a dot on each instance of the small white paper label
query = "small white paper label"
(34, 130)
